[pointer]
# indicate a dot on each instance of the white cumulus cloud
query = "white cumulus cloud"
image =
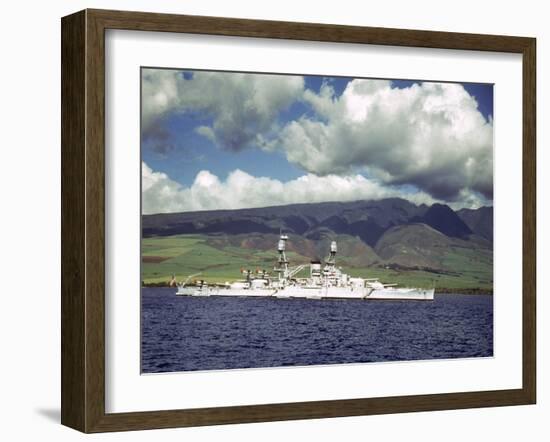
(161, 194)
(243, 107)
(430, 135)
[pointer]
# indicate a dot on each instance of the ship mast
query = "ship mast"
(282, 261)
(329, 272)
(331, 261)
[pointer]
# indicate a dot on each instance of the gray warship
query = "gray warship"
(325, 281)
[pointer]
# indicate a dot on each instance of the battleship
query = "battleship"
(324, 282)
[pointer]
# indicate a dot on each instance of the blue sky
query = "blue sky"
(192, 152)
(188, 153)
(286, 127)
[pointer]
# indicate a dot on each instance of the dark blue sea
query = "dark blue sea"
(181, 333)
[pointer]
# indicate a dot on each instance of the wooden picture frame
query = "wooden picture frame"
(83, 220)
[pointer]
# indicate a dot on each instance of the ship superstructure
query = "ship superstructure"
(323, 281)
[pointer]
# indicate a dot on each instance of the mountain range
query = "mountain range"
(390, 232)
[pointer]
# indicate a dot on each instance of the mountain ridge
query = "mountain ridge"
(391, 235)
(366, 219)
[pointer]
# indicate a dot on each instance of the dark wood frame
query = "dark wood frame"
(83, 217)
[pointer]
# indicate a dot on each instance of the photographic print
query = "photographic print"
(301, 220)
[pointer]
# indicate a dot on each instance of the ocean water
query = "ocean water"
(182, 333)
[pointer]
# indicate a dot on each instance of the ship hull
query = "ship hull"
(197, 291)
(300, 292)
(402, 294)
(246, 293)
(322, 292)
(186, 291)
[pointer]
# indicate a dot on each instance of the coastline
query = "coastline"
(438, 290)
(463, 291)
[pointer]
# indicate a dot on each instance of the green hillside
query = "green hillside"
(415, 255)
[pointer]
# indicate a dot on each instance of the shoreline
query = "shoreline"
(465, 291)
(438, 290)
